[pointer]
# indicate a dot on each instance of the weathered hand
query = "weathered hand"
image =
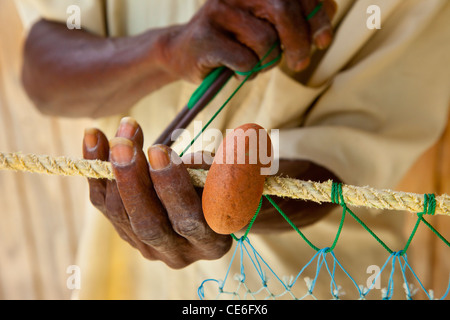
(74, 73)
(238, 33)
(152, 206)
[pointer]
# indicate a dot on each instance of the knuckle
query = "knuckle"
(115, 212)
(280, 7)
(150, 234)
(269, 37)
(146, 252)
(117, 218)
(177, 265)
(123, 235)
(245, 62)
(205, 39)
(189, 228)
(266, 40)
(212, 12)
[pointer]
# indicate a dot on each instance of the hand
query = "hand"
(111, 75)
(154, 207)
(238, 33)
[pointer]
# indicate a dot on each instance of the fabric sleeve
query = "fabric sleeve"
(92, 13)
(387, 106)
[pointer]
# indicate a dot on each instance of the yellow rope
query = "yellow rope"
(275, 186)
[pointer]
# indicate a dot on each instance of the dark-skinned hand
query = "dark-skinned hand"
(75, 73)
(154, 206)
(238, 33)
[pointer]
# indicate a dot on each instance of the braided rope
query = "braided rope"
(56, 165)
(274, 186)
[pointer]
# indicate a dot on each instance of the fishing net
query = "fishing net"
(324, 264)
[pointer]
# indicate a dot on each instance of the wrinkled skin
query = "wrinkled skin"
(238, 34)
(74, 73)
(155, 208)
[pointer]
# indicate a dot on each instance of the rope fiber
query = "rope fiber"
(320, 192)
(284, 187)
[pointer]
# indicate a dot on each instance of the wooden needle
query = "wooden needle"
(186, 115)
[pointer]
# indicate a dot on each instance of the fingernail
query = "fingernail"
(127, 128)
(323, 38)
(158, 158)
(90, 138)
(122, 151)
(303, 64)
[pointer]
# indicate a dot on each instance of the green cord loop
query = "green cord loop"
(336, 193)
(429, 207)
(257, 69)
(429, 204)
(338, 198)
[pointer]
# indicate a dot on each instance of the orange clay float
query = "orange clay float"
(234, 185)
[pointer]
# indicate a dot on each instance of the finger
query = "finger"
(147, 216)
(223, 50)
(184, 209)
(330, 7)
(292, 29)
(103, 194)
(96, 147)
(146, 225)
(256, 34)
(198, 160)
(131, 130)
(319, 22)
(115, 211)
(116, 214)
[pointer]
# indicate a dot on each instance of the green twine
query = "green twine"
(210, 78)
(258, 65)
(435, 232)
(257, 69)
(315, 10)
(291, 223)
(337, 197)
(204, 86)
(250, 223)
(338, 186)
(429, 207)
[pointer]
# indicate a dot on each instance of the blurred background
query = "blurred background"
(41, 217)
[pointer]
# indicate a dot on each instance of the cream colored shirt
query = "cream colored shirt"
(379, 99)
(41, 218)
